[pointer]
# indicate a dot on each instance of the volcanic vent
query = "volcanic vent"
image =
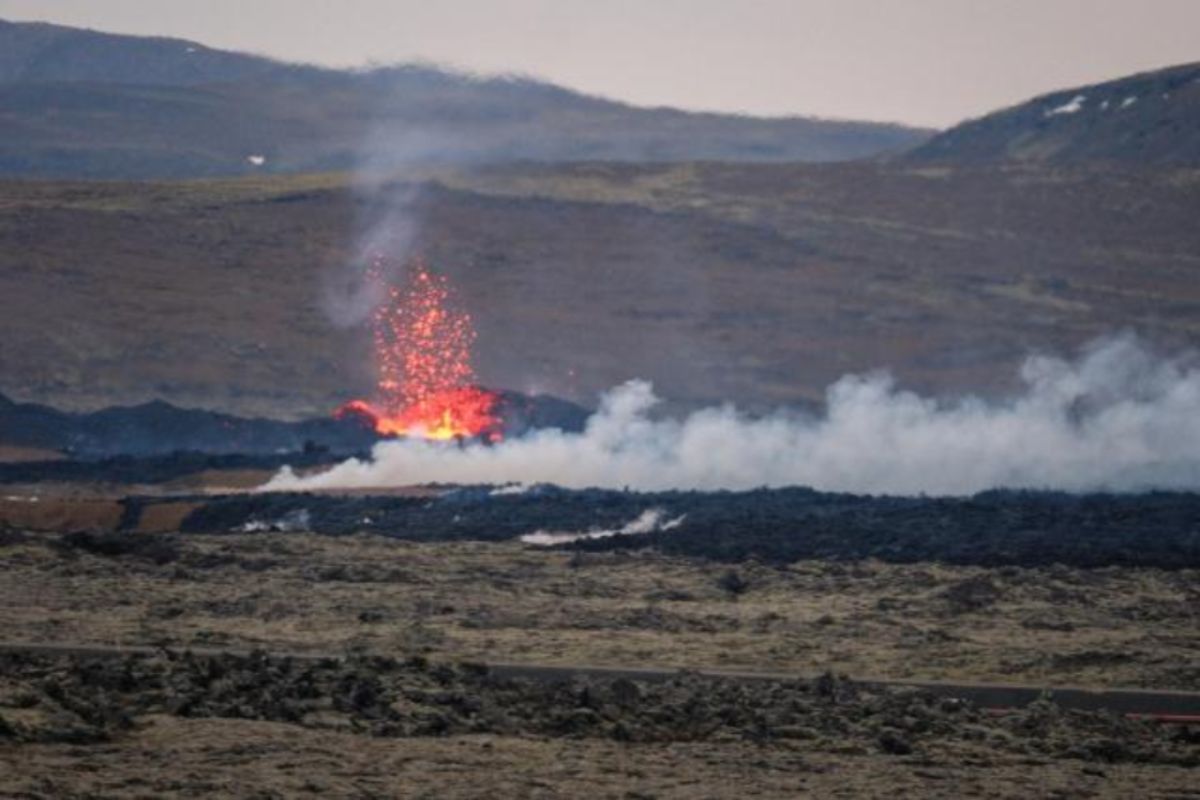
(426, 381)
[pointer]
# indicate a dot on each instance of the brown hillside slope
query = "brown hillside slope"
(754, 283)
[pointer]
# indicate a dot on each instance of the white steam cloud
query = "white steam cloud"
(1118, 418)
(649, 521)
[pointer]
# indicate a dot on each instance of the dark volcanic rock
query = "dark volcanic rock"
(80, 699)
(972, 594)
(161, 430)
(155, 548)
(1158, 529)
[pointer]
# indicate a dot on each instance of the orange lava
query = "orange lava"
(426, 384)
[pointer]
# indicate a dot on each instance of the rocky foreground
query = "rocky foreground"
(400, 711)
(50, 705)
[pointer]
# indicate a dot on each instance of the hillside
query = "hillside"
(76, 103)
(41, 52)
(1148, 119)
(756, 283)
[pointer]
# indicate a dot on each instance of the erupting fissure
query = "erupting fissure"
(426, 383)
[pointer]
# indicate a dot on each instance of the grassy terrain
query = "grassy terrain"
(75, 727)
(170, 756)
(507, 602)
(760, 284)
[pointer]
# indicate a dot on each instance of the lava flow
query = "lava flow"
(426, 384)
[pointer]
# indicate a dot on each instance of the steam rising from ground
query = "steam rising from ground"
(1118, 418)
(650, 520)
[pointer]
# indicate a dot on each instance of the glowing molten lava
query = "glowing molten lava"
(423, 346)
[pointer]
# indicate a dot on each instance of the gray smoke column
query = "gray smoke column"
(387, 191)
(1117, 418)
(389, 220)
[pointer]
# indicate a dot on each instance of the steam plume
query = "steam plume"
(1117, 418)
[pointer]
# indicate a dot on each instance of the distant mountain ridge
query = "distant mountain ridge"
(79, 103)
(1152, 118)
(42, 52)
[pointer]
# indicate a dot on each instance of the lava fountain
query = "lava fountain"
(426, 384)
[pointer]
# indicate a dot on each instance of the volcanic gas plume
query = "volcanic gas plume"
(426, 383)
(1120, 417)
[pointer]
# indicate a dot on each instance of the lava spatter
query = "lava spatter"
(426, 382)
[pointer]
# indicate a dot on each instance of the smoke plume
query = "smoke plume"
(1117, 418)
(650, 520)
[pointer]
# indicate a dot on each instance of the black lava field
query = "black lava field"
(997, 528)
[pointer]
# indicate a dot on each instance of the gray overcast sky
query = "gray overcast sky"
(929, 62)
